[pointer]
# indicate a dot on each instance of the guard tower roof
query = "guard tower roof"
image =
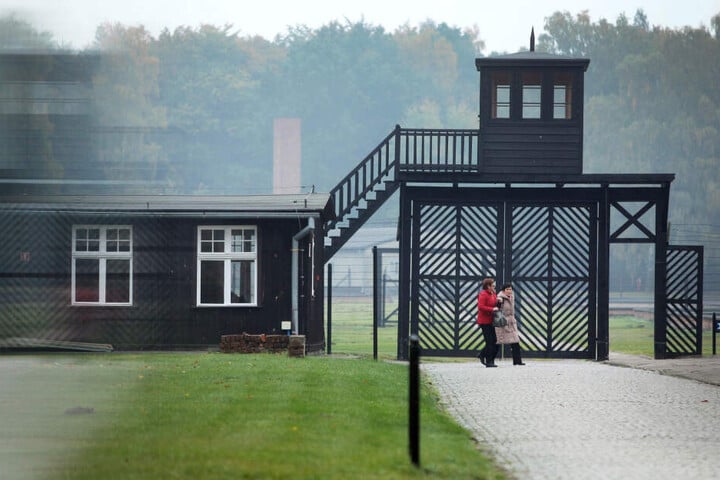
(531, 59)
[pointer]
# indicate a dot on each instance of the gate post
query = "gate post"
(602, 344)
(660, 315)
(404, 276)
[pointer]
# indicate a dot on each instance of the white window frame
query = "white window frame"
(227, 256)
(102, 255)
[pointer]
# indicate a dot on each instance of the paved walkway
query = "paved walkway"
(577, 419)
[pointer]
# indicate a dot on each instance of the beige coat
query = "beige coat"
(508, 334)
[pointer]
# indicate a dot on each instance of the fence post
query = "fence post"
(715, 326)
(414, 400)
(376, 305)
(329, 308)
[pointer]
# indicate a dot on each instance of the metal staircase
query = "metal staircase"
(436, 155)
(361, 193)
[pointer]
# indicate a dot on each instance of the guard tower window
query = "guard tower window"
(501, 95)
(531, 94)
(562, 96)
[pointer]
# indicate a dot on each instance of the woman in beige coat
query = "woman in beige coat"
(508, 335)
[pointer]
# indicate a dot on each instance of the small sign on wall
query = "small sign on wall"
(285, 325)
(25, 257)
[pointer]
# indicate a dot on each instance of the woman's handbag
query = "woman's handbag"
(499, 319)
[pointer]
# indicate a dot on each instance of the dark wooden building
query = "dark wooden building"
(160, 272)
(531, 113)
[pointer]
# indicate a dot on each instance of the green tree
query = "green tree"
(128, 116)
(16, 33)
(209, 80)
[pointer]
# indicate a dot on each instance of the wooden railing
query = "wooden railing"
(431, 150)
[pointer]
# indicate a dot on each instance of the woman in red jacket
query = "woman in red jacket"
(487, 304)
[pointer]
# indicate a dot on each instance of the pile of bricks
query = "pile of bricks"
(296, 347)
(246, 343)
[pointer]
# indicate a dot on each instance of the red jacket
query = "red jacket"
(487, 301)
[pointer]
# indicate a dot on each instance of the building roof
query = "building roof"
(304, 205)
(532, 58)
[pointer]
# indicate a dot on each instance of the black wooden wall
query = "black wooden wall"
(35, 284)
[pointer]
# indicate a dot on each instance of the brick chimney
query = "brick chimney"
(286, 155)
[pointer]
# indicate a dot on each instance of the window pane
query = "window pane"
(242, 277)
(87, 240)
(81, 240)
(249, 244)
(562, 96)
(531, 111)
(87, 280)
(237, 240)
(243, 240)
(531, 101)
(124, 240)
(531, 95)
(212, 281)
(219, 241)
(117, 281)
(501, 95)
(502, 112)
(212, 240)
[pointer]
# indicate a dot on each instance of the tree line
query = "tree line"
(193, 108)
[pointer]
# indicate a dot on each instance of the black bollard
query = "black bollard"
(414, 401)
(329, 308)
(715, 327)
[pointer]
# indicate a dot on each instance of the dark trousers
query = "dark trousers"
(517, 359)
(490, 349)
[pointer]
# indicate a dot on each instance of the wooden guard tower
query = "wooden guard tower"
(510, 200)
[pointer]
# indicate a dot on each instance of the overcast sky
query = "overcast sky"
(504, 24)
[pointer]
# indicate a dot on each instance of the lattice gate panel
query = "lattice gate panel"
(457, 247)
(552, 267)
(683, 287)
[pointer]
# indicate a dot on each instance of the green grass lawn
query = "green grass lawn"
(637, 336)
(216, 416)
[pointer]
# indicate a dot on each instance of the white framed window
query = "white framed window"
(562, 96)
(501, 95)
(227, 265)
(531, 95)
(102, 265)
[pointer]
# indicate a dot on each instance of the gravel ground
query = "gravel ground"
(578, 419)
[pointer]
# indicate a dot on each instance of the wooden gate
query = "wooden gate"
(684, 301)
(547, 251)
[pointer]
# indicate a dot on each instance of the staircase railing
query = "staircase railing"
(361, 193)
(367, 174)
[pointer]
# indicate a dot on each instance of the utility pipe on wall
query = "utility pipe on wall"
(309, 229)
